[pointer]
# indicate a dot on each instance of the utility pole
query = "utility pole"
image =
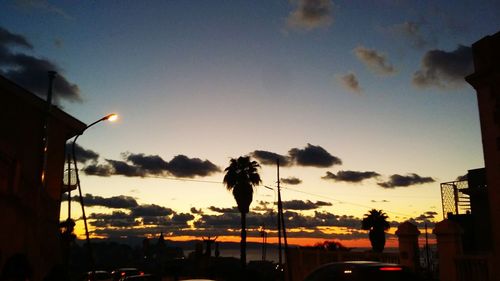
(427, 252)
(263, 234)
(280, 258)
(281, 226)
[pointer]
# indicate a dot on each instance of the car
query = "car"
(142, 277)
(98, 275)
(361, 271)
(123, 272)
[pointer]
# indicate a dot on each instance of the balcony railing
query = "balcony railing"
(454, 198)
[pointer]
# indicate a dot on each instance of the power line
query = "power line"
(286, 188)
(342, 201)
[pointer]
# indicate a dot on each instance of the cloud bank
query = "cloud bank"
(30, 71)
(444, 70)
(141, 165)
(403, 181)
(350, 176)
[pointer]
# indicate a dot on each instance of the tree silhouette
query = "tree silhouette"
(240, 178)
(376, 222)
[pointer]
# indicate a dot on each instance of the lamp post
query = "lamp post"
(110, 117)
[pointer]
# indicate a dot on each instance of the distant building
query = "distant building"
(29, 212)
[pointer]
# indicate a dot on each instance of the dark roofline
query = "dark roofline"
(76, 126)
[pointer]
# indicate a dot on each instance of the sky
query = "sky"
(364, 102)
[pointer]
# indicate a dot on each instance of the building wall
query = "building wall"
(30, 213)
(486, 81)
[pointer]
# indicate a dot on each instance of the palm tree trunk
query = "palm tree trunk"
(243, 243)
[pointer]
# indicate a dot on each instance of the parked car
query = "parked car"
(98, 275)
(142, 277)
(361, 271)
(123, 272)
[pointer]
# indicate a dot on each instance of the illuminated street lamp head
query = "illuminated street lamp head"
(111, 117)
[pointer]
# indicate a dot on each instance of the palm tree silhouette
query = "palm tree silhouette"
(240, 178)
(376, 222)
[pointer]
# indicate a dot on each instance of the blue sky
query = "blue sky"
(219, 79)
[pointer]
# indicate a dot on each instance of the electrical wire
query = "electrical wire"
(284, 188)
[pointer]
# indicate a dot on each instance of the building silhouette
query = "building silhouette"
(29, 210)
(486, 82)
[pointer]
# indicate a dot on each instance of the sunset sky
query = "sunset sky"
(363, 101)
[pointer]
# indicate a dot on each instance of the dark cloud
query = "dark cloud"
(303, 205)
(184, 167)
(82, 155)
(401, 181)
(311, 14)
(141, 165)
(151, 211)
(123, 224)
(269, 158)
(374, 60)
(118, 202)
(8, 39)
(150, 164)
(31, 72)
(233, 220)
(429, 215)
(196, 211)
(411, 31)
(444, 69)
(291, 180)
(182, 218)
(125, 169)
(428, 218)
(320, 219)
(314, 156)
(115, 219)
(224, 210)
(263, 206)
(98, 170)
(350, 176)
(350, 82)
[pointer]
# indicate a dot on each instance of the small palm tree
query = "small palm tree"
(376, 222)
(240, 178)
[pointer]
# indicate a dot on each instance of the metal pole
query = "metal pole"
(87, 236)
(69, 227)
(280, 214)
(427, 254)
(280, 259)
(69, 186)
(45, 136)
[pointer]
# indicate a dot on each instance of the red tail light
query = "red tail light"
(390, 268)
(141, 273)
(123, 274)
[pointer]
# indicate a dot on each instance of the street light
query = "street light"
(110, 117)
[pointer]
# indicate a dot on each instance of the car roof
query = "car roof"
(137, 276)
(358, 264)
